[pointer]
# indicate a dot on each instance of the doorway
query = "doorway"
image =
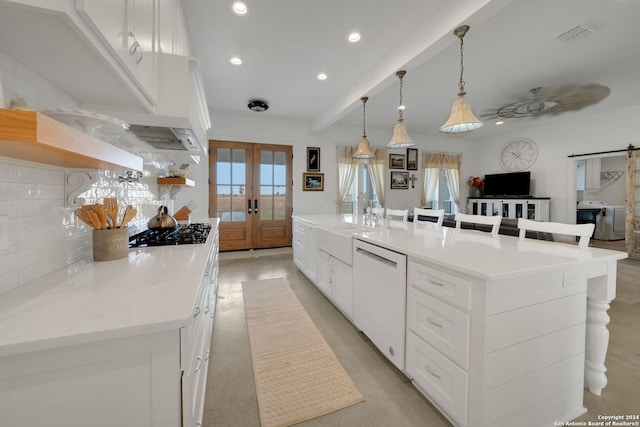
(251, 192)
(614, 190)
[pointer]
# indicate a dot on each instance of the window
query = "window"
(441, 186)
(362, 187)
(443, 199)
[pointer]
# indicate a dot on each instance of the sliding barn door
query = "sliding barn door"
(633, 205)
(250, 192)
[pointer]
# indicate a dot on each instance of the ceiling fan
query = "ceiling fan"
(571, 97)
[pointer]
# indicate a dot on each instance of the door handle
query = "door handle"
(249, 206)
(255, 206)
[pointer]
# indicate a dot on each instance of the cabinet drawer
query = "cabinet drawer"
(440, 325)
(438, 377)
(189, 334)
(448, 287)
(299, 226)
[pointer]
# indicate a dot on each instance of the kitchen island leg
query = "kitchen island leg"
(601, 291)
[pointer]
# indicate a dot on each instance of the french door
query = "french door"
(633, 205)
(250, 191)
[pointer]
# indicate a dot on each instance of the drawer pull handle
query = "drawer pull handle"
(434, 323)
(196, 311)
(199, 360)
(436, 283)
(432, 373)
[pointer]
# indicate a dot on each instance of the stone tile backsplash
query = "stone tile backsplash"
(39, 234)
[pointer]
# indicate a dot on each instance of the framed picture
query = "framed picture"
(396, 161)
(313, 182)
(412, 159)
(313, 159)
(399, 180)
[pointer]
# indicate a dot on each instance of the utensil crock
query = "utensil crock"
(110, 244)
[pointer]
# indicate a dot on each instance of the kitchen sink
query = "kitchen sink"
(337, 240)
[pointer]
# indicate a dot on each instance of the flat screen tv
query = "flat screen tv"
(514, 184)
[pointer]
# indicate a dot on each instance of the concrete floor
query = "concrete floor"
(390, 398)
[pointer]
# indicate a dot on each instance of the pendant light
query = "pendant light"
(400, 138)
(364, 151)
(462, 118)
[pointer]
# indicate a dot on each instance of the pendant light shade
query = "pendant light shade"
(364, 151)
(462, 118)
(400, 138)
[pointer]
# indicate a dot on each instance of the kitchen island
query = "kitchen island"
(121, 342)
(498, 330)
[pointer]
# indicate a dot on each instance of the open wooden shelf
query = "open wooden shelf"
(176, 181)
(32, 136)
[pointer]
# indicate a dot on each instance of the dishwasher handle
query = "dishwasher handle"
(377, 257)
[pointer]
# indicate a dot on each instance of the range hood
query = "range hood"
(180, 119)
(167, 138)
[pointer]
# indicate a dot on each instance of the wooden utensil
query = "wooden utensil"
(84, 216)
(129, 213)
(95, 219)
(101, 213)
(111, 206)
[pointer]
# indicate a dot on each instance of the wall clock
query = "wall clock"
(518, 155)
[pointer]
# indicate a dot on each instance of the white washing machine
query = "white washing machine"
(610, 221)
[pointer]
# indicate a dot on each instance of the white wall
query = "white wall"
(260, 128)
(554, 172)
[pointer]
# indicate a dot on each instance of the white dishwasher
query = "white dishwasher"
(379, 298)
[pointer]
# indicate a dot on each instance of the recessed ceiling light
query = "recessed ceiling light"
(322, 76)
(354, 37)
(500, 122)
(239, 8)
(235, 60)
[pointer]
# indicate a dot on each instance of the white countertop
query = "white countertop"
(480, 254)
(152, 290)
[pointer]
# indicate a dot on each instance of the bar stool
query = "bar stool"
(438, 214)
(397, 214)
(584, 231)
(493, 221)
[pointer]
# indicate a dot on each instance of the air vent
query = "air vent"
(578, 32)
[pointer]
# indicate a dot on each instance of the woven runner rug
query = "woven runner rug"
(297, 375)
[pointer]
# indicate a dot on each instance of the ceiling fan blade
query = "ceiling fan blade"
(575, 97)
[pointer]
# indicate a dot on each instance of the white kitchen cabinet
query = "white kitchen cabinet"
(588, 174)
(126, 29)
(305, 253)
(172, 31)
(478, 349)
(114, 377)
(336, 282)
(533, 208)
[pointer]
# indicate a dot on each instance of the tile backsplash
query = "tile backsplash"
(39, 234)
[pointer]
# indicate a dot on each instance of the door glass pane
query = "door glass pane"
(273, 188)
(231, 184)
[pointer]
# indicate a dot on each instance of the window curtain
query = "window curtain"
(376, 170)
(432, 163)
(347, 167)
(453, 182)
(430, 185)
